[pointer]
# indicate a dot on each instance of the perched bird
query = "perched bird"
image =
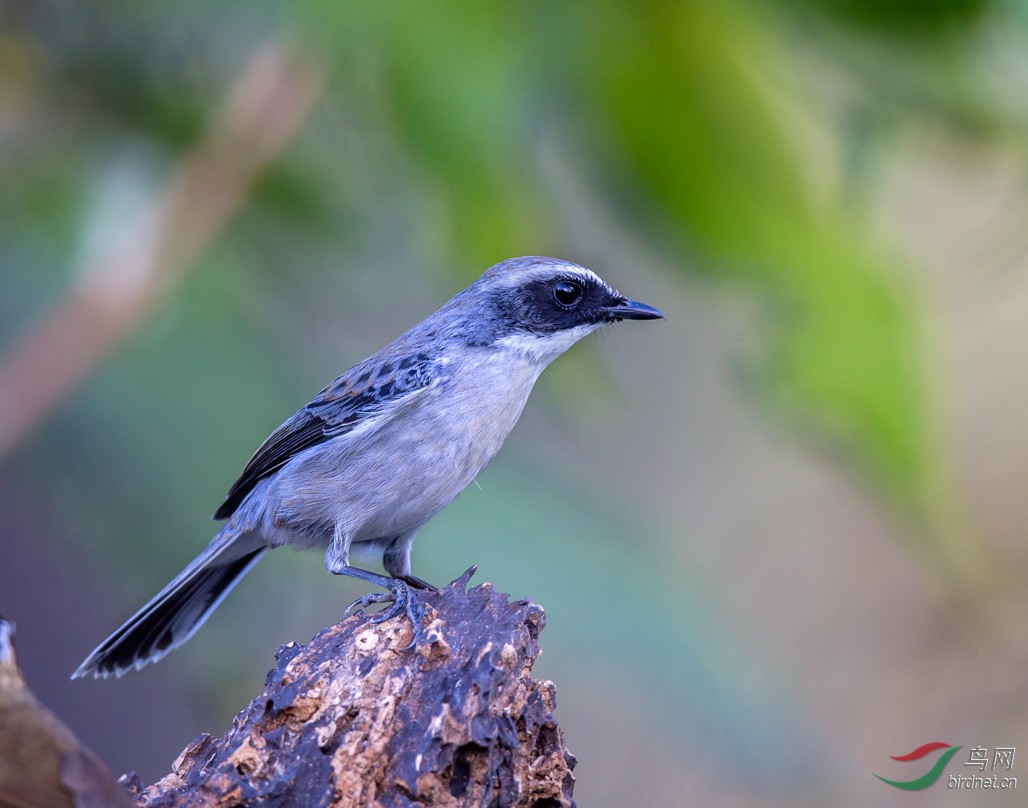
(384, 448)
(42, 763)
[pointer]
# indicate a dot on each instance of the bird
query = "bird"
(42, 763)
(383, 448)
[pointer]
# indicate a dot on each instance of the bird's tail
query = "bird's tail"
(175, 613)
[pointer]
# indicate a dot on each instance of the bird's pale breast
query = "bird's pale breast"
(395, 477)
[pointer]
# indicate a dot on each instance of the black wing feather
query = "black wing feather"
(362, 392)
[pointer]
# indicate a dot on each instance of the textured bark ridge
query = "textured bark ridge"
(355, 719)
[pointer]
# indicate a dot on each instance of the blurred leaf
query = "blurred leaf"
(292, 195)
(947, 64)
(916, 18)
(449, 80)
(694, 93)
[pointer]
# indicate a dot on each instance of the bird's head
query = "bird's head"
(540, 307)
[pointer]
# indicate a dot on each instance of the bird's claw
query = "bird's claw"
(358, 606)
(404, 601)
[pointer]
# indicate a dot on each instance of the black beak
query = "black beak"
(630, 310)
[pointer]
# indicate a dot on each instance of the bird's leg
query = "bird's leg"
(396, 560)
(417, 583)
(400, 595)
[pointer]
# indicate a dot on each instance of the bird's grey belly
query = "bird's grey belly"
(395, 478)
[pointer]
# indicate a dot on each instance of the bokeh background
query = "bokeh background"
(779, 536)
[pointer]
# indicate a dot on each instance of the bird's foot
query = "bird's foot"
(402, 596)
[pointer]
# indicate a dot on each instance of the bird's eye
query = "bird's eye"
(567, 293)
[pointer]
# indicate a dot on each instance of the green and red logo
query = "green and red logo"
(930, 776)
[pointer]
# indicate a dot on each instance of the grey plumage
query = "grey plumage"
(384, 447)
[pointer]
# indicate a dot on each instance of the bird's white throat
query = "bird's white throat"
(545, 347)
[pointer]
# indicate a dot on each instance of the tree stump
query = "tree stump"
(355, 718)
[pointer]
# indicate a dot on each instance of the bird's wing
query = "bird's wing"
(354, 402)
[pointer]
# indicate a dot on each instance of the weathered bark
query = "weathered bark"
(356, 719)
